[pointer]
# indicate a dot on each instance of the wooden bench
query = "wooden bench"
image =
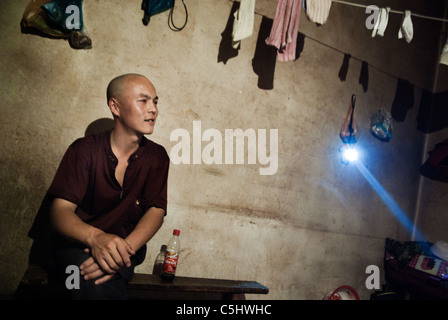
(150, 286)
(37, 284)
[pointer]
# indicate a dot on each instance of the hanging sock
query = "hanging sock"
(403, 101)
(318, 10)
(381, 23)
(364, 76)
(406, 29)
(444, 56)
(344, 67)
(285, 29)
(243, 24)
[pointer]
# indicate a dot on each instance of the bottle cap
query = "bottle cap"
(176, 232)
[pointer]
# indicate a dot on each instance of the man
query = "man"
(110, 193)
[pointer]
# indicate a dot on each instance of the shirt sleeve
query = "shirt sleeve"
(155, 191)
(71, 179)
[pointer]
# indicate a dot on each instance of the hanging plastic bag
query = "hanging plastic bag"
(349, 129)
(35, 17)
(381, 125)
(153, 7)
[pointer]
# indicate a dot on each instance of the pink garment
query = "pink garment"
(285, 28)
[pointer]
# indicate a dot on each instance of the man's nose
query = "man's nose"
(152, 107)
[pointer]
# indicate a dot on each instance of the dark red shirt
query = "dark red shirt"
(86, 177)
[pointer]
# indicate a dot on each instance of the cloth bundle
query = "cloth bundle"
(285, 29)
(53, 18)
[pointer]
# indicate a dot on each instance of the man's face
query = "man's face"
(138, 105)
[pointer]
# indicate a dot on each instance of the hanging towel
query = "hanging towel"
(285, 29)
(318, 10)
(444, 55)
(406, 29)
(243, 24)
(381, 22)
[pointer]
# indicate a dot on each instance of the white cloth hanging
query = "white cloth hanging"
(318, 10)
(406, 29)
(444, 56)
(381, 22)
(243, 24)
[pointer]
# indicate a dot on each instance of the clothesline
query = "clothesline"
(393, 11)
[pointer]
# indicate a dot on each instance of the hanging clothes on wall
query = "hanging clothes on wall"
(344, 67)
(381, 23)
(318, 10)
(444, 55)
(56, 19)
(364, 76)
(403, 101)
(285, 29)
(243, 24)
(406, 30)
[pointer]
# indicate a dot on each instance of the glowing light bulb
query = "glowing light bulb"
(350, 154)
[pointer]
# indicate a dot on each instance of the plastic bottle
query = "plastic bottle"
(171, 256)
(158, 263)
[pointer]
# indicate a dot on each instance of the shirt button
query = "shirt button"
(137, 202)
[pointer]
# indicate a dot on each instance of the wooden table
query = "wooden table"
(149, 286)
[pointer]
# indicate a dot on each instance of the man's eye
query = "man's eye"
(143, 100)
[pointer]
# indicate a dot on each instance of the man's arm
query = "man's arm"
(109, 251)
(146, 228)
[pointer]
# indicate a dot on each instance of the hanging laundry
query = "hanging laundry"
(243, 24)
(444, 55)
(381, 22)
(344, 67)
(284, 31)
(364, 76)
(55, 19)
(403, 101)
(406, 29)
(265, 56)
(318, 10)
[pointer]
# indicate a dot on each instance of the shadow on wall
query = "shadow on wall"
(41, 231)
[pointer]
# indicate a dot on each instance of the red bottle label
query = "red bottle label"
(170, 263)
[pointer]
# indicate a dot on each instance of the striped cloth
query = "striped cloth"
(285, 29)
(318, 10)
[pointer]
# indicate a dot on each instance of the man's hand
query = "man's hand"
(110, 252)
(91, 270)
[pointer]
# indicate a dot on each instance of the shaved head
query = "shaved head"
(117, 86)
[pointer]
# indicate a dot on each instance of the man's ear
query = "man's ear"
(114, 107)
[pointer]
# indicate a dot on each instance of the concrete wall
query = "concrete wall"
(312, 226)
